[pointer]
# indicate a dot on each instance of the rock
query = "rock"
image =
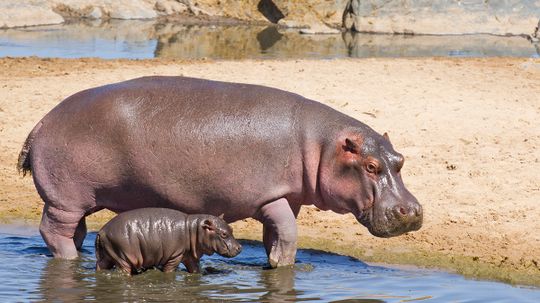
(130, 10)
(27, 13)
(311, 12)
(94, 13)
(443, 17)
(319, 28)
(168, 7)
(122, 9)
(292, 23)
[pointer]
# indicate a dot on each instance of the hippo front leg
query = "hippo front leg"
(279, 232)
(192, 265)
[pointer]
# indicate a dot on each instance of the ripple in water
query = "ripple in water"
(28, 273)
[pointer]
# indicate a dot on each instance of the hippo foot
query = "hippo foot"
(282, 254)
(279, 233)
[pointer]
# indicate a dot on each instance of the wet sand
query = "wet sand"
(468, 128)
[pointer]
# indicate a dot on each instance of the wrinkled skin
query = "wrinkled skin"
(218, 148)
(144, 238)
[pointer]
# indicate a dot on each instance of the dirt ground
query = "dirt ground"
(469, 129)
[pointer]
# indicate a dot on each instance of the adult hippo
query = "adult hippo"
(199, 146)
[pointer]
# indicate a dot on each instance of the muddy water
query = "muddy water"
(28, 273)
(147, 39)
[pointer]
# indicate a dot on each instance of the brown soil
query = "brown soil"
(468, 127)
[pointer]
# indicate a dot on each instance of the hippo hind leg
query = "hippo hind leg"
(58, 229)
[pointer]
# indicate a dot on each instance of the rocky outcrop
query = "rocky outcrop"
(443, 17)
(439, 17)
(27, 13)
(318, 15)
(105, 9)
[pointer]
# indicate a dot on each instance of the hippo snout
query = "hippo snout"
(393, 220)
(236, 249)
(407, 215)
(233, 250)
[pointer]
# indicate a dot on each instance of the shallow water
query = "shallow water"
(28, 273)
(138, 39)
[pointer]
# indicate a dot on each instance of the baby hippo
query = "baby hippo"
(143, 238)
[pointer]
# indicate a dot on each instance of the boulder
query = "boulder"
(27, 13)
(319, 28)
(443, 17)
(105, 9)
(168, 7)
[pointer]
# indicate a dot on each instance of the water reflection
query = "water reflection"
(147, 39)
(279, 285)
(63, 281)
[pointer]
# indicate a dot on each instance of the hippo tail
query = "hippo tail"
(23, 164)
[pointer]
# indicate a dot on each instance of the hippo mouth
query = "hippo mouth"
(230, 250)
(385, 224)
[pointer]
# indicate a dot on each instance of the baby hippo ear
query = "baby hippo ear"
(385, 135)
(208, 224)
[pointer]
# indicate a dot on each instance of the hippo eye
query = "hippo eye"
(223, 235)
(371, 168)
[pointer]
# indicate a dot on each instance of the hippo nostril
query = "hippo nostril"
(399, 211)
(417, 210)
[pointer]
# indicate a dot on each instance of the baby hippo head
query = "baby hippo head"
(217, 236)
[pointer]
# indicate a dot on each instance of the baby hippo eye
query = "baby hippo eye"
(371, 168)
(223, 234)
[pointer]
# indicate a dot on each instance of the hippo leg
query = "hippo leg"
(57, 228)
(172, 264)
(105, 262)
(279, 232)
(192, 264)
(80, 233)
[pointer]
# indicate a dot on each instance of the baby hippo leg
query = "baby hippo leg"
(104, 262)
(172, 264)
(192, 264)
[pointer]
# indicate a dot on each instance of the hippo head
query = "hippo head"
(215, 235)
(363, 177)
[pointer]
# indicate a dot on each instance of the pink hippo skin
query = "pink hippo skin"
(199, 146)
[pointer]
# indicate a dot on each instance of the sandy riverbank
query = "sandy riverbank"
(468, 128)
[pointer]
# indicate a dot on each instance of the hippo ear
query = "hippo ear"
(208, 224)
(351, 146)
(385, 135)
(351, 152)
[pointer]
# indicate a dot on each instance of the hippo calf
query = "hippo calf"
(163, 238)
(199, 146)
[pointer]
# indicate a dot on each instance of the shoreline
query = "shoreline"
(467, 127)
